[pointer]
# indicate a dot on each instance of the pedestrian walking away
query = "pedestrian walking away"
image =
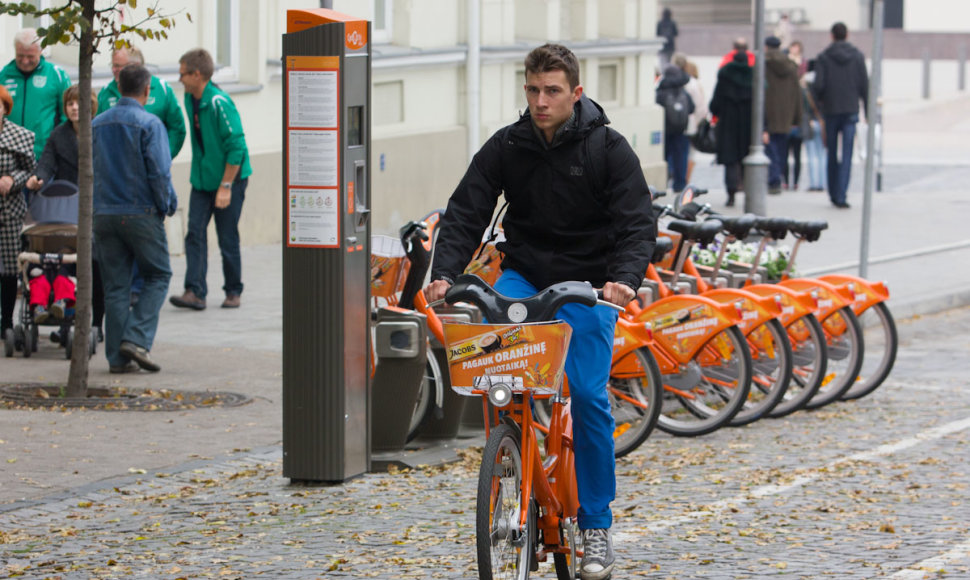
(219, 176)
(841, 81)
(578, 209)
(132, 195)
(667, 29)
(162, 103)
(783, 109)
(16, 163)
(731, 103)
(672, 95)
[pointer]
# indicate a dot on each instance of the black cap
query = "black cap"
(773, 42)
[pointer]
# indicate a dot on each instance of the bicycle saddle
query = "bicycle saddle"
(776, 228)
(498, 309)
(808, 231)
(660, 249)
(703, 232)
(739, 226)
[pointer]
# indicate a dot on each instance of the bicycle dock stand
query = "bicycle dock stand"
(401, 345)
(445, 425)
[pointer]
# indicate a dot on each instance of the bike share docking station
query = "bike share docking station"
(338, 420)
(326, 232)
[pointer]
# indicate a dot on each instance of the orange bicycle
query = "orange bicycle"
(527, 497)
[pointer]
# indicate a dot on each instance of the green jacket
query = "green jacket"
(223, 141)
(161, 102)
(38, 98)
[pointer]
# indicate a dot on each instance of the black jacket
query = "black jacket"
(562, 223)
(841, 80)
(59, 159)
(731, 104)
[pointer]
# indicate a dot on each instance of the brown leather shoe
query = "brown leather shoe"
(188, 300)
(231, 301)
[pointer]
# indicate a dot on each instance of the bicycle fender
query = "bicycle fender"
(755, 309)
(864, 292)
(794, 304)
(828, 297)
(681, 325)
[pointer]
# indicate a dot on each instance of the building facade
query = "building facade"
(446, 75)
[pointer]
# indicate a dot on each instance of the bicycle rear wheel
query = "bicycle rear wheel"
(881, 341)
(843, 342)
(809, 362)
(772, 369)
(635, 403)
(711, 390)
(505, 551)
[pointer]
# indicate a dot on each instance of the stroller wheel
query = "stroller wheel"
(28, 342)
(35, 337)
(9, 343)
(93, 343)
(69, 344)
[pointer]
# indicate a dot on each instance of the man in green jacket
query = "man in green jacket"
(37, 88)
(162, 101)
(219, 176)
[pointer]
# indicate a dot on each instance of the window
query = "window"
(607, 90)
(383, 23)
(226, 52)
(390, 95)
(30, 21)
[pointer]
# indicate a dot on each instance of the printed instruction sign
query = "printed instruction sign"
(313, 151)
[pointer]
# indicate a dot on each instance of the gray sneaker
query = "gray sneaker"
(598, 555)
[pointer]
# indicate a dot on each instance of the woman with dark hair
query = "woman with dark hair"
(731, 104)
(16, 163)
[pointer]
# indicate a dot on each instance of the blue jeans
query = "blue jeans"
(202, 208)
(840, 171)
(777, 151)
(815, 154)
(122, 242)
(676, 150)
(588, 364)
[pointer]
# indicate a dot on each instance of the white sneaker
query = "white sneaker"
(598, 558)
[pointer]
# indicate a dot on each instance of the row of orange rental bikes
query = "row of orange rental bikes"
(702, 347)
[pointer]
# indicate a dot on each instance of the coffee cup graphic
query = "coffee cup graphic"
(490, 343)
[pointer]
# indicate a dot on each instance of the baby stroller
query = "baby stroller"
(50, 229)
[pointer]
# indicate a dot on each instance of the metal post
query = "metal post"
(962, 68)
(756, 163)
(926, 73)
(872, 114)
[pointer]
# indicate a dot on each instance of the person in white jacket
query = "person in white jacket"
(696, 92)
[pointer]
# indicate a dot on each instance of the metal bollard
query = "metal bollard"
(961, 68)
(926, 73)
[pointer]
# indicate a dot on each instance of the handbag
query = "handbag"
(704, 140)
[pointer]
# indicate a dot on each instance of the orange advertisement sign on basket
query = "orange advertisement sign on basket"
(535, 352)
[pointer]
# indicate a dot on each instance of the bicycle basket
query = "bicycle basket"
(536, 352)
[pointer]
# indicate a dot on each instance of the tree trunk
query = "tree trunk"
(77, 382)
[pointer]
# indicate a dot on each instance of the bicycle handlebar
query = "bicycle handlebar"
(499, 309)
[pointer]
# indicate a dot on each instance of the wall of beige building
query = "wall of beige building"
(419, 152)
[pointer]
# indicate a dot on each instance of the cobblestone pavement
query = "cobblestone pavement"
(872, 488)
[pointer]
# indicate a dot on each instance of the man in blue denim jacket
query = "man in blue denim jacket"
(132, 195)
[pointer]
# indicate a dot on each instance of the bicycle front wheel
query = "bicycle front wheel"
(711, 390)
(843, 341)
(635, 402)
(772, 367)
(424, 405)
(881, 341)
(504, 547)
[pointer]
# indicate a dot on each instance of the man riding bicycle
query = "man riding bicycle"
(578, 209)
